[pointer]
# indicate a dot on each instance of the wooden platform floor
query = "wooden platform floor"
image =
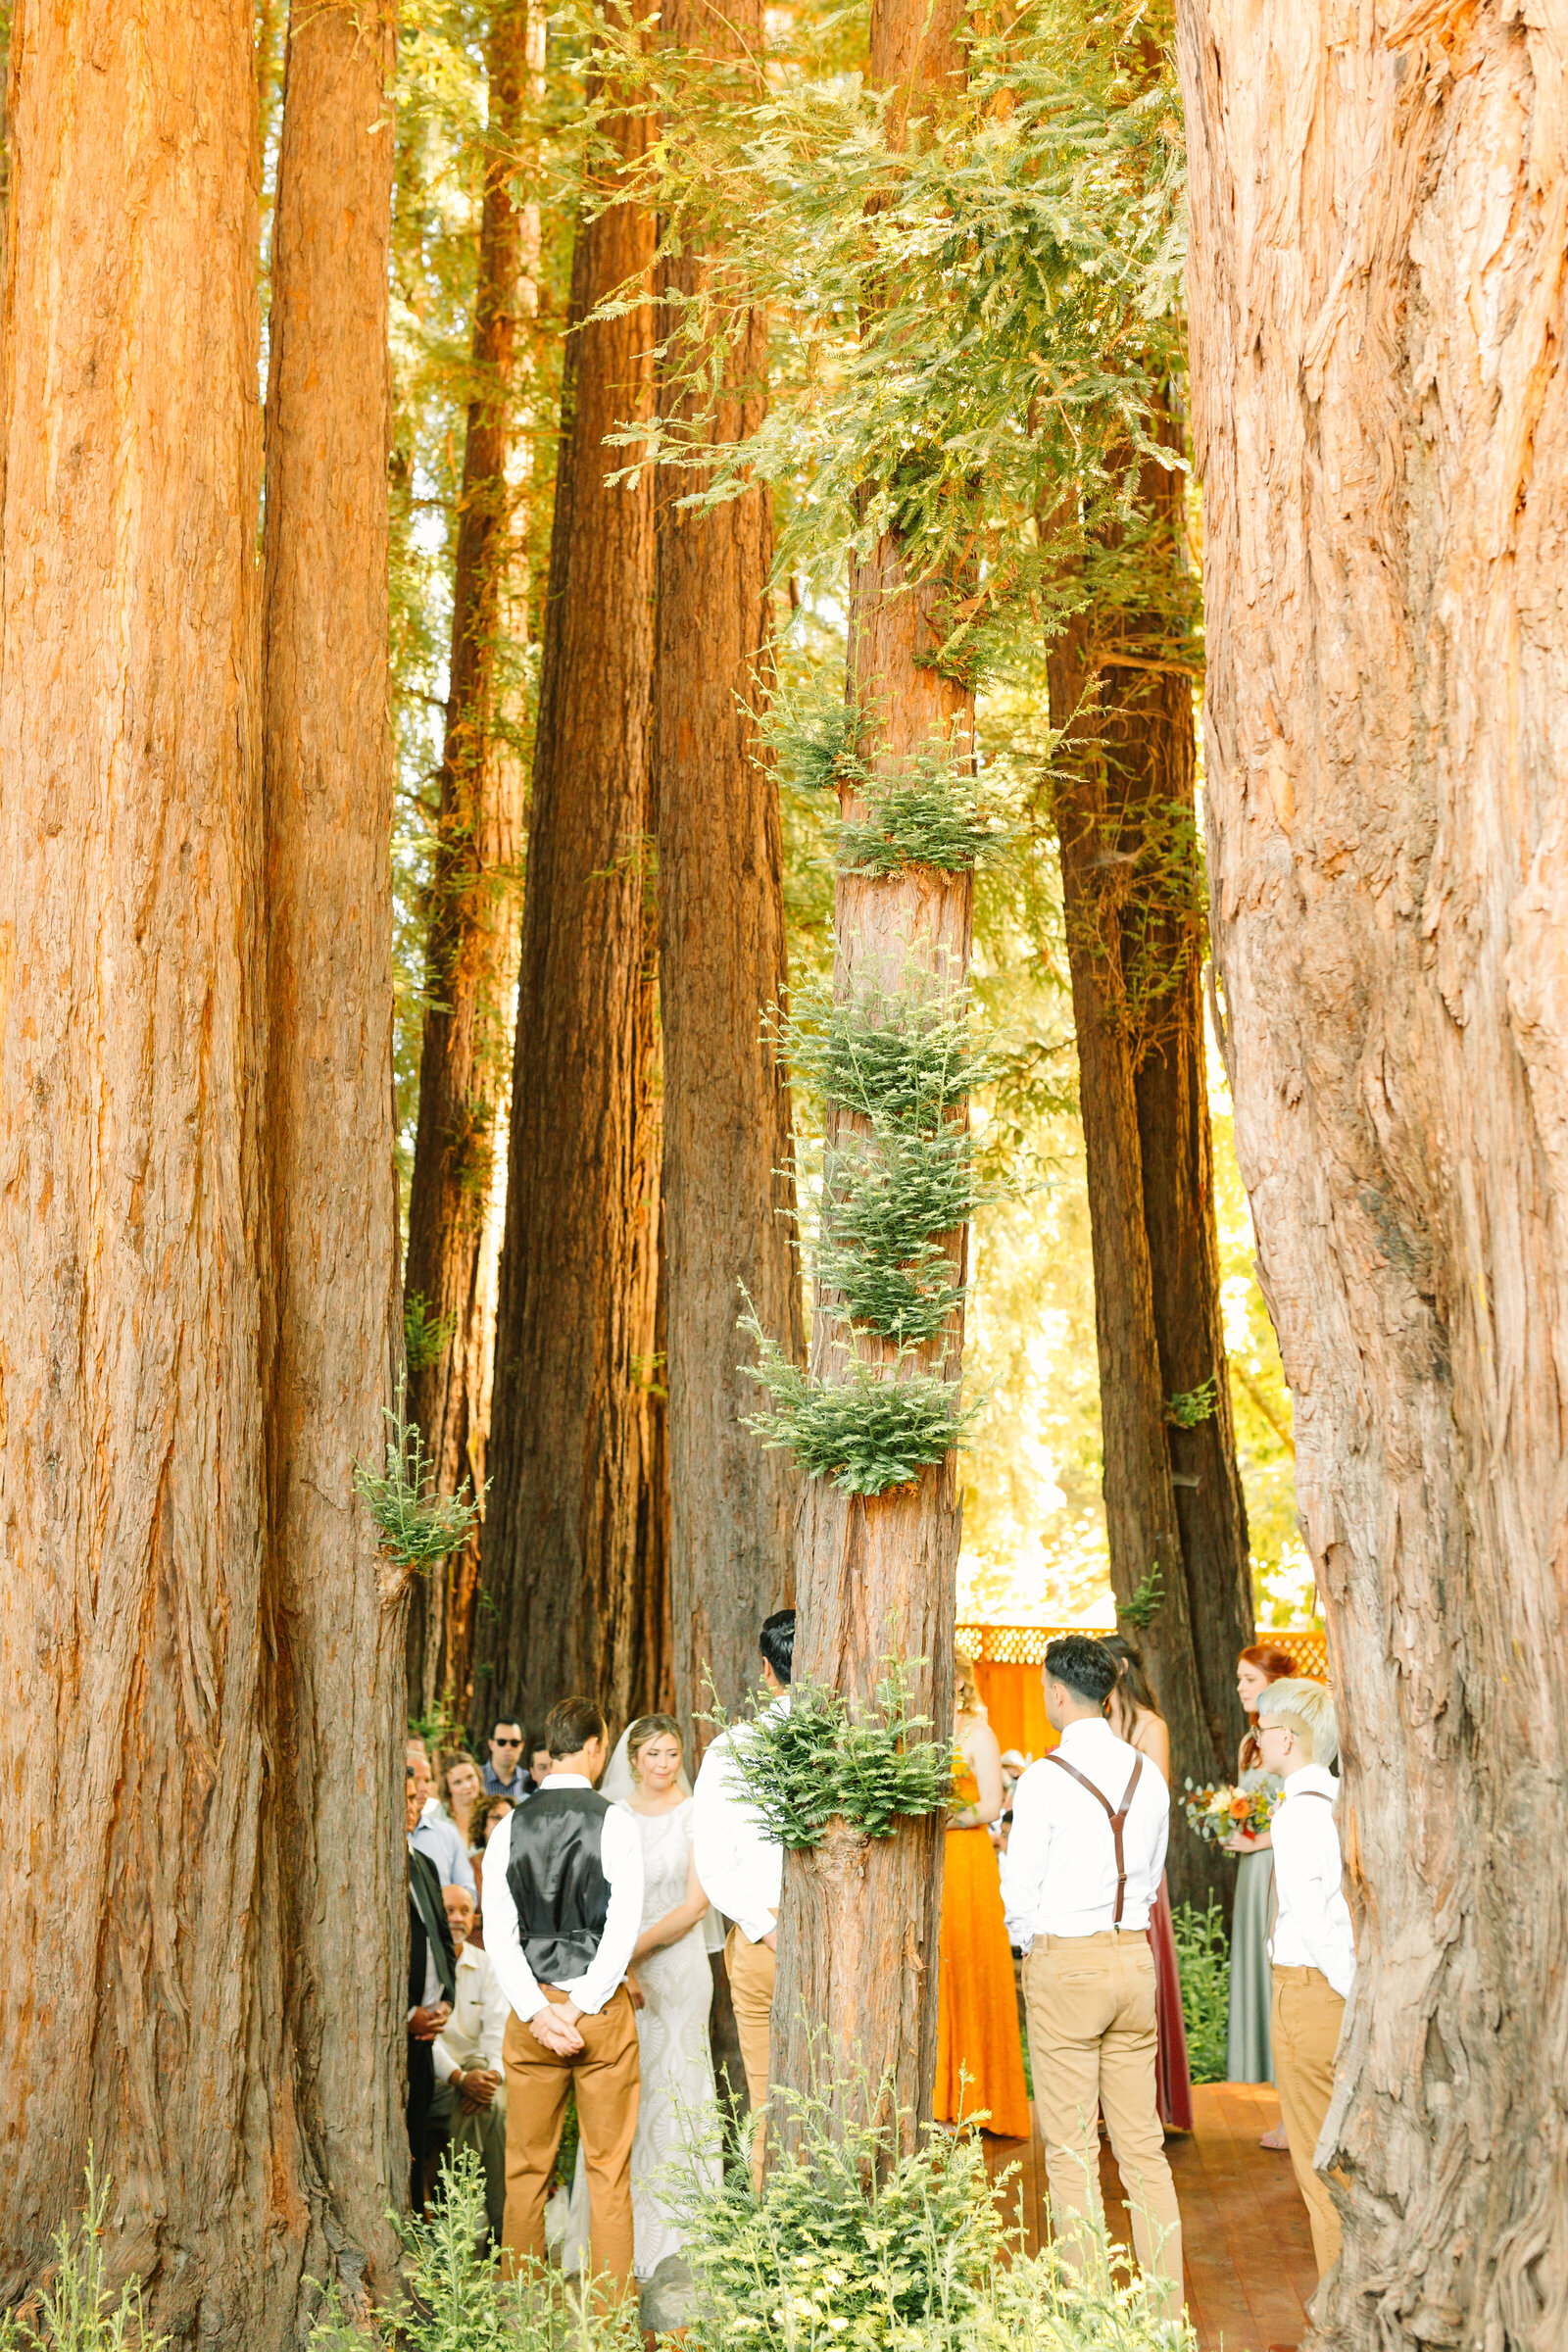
(1246, 2246)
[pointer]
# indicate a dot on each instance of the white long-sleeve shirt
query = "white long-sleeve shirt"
(740, 1868)
(1059, 1874)
(1313, 1928)
(471, 2036)
(621, 1858)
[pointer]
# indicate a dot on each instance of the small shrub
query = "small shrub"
(865, 1431)
(821, 1760)
(77, 2312)
(1203, 1963)
(416, 1526)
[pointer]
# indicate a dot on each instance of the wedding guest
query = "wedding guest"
(461, 1792)
(470, 2101)
(563, 1910)
(979, 2053)
(1080, 1879)
(1313, 1944)
(504, 1774)
(1132, 1714)
(432, 1981)
(677, 2142)
(743, 1872)
(436, 1837)
(1248, 2054)
(538, 1759)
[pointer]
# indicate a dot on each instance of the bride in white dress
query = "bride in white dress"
(677, 2119)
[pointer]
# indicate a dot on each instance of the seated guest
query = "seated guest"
(470, 2102)
(432, 1982)
(1079, 1881)
(1313, 1944)
(504, 1774)
(562, 1911)
(436, 1837)
(741, 1871)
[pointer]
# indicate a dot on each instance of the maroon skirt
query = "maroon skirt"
(1173, 2084)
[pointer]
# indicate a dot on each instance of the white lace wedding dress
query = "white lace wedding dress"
(677, 2140)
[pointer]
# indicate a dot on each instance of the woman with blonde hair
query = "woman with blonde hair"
(979, 2048)
(1132, 1712)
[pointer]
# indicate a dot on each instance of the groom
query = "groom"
(562, 1909)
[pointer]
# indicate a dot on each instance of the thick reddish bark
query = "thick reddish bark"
(458, 1182)
(1124, 812)
(859, 1924)
(1381, 420)
(145, 1963)
(334, 1662)
(560, 1607)
(727, 1190)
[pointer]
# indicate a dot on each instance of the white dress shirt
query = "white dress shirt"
(739, 1865)
(472, 2037)
(621, 1858)
(1059, 1874)
(1313, 1927)
(440, 1840)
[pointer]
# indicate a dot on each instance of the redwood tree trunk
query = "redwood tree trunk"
(1381, 418)
(1124, 813)
(471, 957)
(560, 1606)
(143, 1972)
(333, 1633)
(727, 1137)
(860, 1919)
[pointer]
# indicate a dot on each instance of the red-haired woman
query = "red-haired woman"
(1248, 2056)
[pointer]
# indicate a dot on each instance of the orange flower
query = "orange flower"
(1241, 1806)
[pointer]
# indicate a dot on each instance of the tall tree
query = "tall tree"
(472, 943)
(333, 1647)
(1125, 817)
(560, 1606)
(726, 1108)
(878, 1575)
(1380, 422)
(133, 1312)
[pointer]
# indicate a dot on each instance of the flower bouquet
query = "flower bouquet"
(1217, 1809)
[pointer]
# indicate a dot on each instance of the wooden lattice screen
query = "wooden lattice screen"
(1025, 1645)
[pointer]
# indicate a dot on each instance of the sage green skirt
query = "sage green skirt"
(1249, 2057)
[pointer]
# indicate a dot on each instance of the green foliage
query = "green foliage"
(1194, 1406)
(823, 1759)
(865, 1431)
(883, 1196)
(1146, 1602)
(934, 815)
(426, 1337)
(416, 1526)
(907, 1062)
(856, 2243)
(1203, 1963)
(78, 2311)
(460, 2303)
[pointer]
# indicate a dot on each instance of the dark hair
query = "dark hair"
(533, 1742)
(1276, 1665)
(571, 1725)
(500, 1718)
(1132, 1675)
(1085, 1665)
(776, 1641)
(483, 1819)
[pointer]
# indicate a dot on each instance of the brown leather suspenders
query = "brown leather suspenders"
(1117, 1819)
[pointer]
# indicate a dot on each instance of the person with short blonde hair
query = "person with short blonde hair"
(1313, 1944)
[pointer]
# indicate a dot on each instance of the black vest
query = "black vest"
(557, 1881)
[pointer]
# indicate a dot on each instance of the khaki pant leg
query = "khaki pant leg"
(608, 2083)
(485, 2131)
(1128, 2056)
(537, 2081)
(1308, 2014)
(1069, 2004)
(753, 1969)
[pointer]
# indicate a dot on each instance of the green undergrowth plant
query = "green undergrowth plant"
(79, 2311)
(823, 1759)
(1204, 1964)
(865, 1432)
(908, 1060)
(417, 1525)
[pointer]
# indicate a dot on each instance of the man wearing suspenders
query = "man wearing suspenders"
(1079, 1879)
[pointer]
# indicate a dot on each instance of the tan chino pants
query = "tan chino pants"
(752, 1968)
(1092, 2045)
(1304, 2023)
(606, 2076)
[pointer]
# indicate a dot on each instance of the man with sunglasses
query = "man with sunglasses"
(506, 1774)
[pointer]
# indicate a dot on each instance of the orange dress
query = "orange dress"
(979, 2055)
